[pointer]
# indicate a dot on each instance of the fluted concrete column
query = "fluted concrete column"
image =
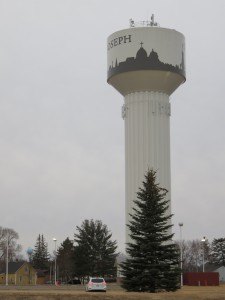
(147, 142)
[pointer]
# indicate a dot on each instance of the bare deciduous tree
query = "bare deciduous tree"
(10, 236)
(192, 253)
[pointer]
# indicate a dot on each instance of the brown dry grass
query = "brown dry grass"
(114, 292)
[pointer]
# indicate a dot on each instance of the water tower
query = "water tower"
(146, 65)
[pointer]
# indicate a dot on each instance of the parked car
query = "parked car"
(74, 281)
(49, 282)
(110, 279)
(96, 284)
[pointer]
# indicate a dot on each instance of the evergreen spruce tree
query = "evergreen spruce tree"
(95, 251)
(40, 255)
(65, 259)
(218, 251)
(153, 259)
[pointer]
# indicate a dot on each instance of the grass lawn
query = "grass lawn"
(114, 292)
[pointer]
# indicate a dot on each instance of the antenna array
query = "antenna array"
(147, 23)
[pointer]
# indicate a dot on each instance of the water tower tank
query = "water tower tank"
(146, 64)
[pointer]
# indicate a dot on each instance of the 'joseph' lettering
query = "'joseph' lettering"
(119, 40)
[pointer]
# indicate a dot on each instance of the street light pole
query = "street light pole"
(55, 240)
(7, 260)
(203, 254)
(181, 255)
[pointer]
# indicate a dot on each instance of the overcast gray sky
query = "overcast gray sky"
(61, 131)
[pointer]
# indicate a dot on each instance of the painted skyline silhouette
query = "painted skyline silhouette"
(144, 62)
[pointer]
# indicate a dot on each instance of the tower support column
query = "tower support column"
(147, 143)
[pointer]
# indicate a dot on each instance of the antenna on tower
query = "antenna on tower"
(147, 23)
(131, 23)
(153, 23)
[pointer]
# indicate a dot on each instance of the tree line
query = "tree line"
(91, 252)
(153, 258)
(71, 263)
